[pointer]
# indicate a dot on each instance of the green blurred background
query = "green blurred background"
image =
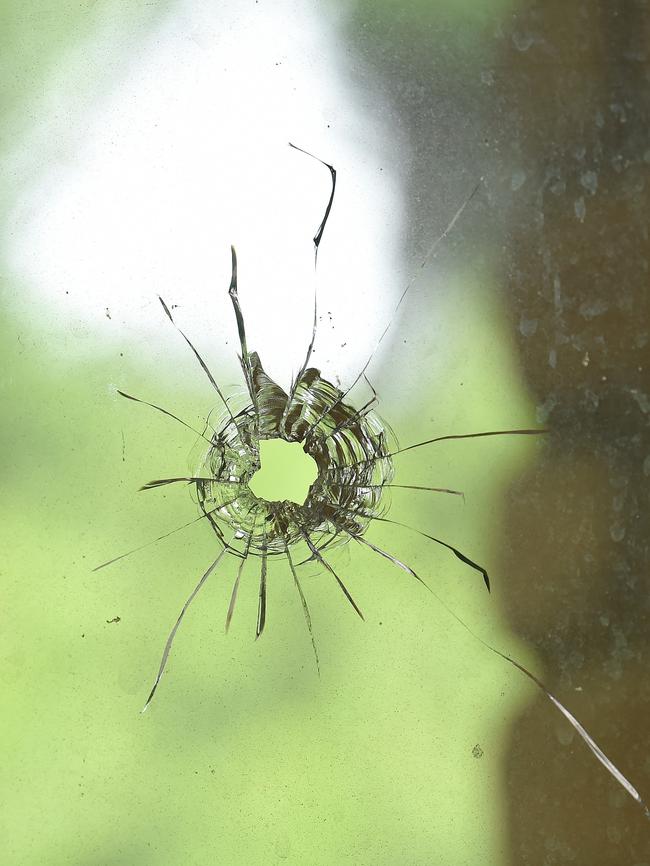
(246, 756)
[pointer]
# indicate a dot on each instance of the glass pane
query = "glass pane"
(491, 213)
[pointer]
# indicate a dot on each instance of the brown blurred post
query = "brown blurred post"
(576, 562)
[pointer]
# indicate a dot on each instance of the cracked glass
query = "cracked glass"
(482, 269)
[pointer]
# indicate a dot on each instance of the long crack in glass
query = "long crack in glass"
(353, 451)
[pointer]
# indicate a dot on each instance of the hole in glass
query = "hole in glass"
(286, 472)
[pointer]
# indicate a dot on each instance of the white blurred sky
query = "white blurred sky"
(182, 151)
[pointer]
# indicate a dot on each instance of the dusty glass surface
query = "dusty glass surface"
(139, 141)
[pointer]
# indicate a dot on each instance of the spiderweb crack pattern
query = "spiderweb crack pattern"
(353, 451)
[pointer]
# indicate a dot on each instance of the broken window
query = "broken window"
(139, 143)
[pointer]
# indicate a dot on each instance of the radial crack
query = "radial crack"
(391, 558)
(317, 239)
(402, 487)
(305, 606)
(454, 550)
(235, 588)
(326, 564)
(198, 357)
(583, 733)
(457, 553)
(261, 605)
(166, 535)
(430, 253)
(164, 412)
(172, 634)
(161, 482)
(527, 432)
(241, 330)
